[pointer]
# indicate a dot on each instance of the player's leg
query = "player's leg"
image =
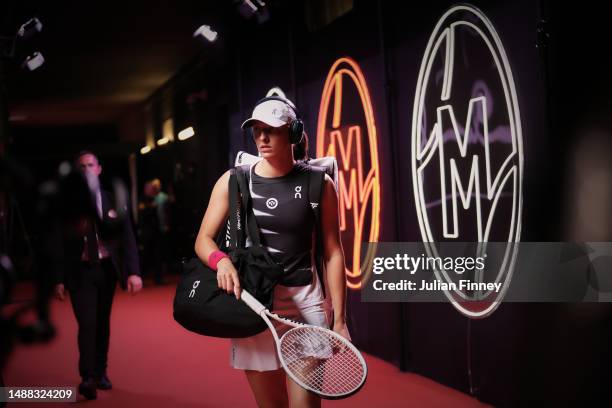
(268, 388)
(300, 398)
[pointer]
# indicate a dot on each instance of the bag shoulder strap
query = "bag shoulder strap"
(243, 177)
(242, 173)
(316, 177)
(234, 236)
(228, 236)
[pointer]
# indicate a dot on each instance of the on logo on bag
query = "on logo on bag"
(195, 286)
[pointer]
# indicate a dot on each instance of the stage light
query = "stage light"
(168, 130)
(33, 61)
(145, 150)
(246, 8)
(162, 141)
(206, 32)
(250, 8)
(186, 133)
(26, 30)
(29, 28)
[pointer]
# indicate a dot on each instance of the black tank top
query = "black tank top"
(286, 221)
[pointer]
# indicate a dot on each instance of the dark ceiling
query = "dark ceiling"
(103, 58)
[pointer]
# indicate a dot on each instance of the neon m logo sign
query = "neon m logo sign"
(353, 142)
(467, 154)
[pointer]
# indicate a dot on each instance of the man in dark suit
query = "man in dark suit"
(99, 251)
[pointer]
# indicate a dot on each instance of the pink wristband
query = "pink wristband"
(215, 257)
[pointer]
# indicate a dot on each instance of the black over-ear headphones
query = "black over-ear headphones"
(296, 128)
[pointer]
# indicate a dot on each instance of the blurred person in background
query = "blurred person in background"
(155, 230)
(101, 252)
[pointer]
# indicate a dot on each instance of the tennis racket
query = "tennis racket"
(317, 359)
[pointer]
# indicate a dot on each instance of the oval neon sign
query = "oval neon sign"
(467, 154)
(346, 130)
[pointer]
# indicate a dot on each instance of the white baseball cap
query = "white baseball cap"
(273, 112)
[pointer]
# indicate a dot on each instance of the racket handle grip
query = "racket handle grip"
(252, 302)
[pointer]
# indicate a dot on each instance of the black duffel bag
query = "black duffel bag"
(200, 305)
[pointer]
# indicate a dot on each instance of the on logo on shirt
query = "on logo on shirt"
(271, 203)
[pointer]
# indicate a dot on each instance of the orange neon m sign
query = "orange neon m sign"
(347, 131)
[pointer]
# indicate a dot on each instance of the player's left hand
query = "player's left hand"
(134, 284)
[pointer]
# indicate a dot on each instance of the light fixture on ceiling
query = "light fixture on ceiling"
(29, 28)
(33, 62)
(168, 130)
(250, 8)
(145, 149)
(186, 133)
(206, 32)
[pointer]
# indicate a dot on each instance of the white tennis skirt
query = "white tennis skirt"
(303, 303)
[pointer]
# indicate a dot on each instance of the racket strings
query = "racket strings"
(322, 361)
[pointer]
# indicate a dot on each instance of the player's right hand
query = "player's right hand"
(227, 277)
(60, 291)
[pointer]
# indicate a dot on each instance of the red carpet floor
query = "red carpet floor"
(153, 362)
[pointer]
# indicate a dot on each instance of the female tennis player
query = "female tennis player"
(279, 191)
